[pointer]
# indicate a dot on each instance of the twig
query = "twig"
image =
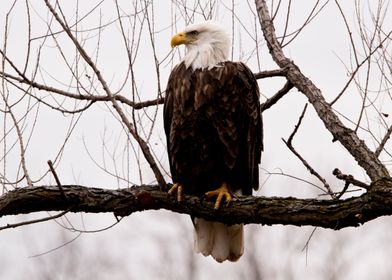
(271, 101)
(54, 174)
(21, 145)
(346, 185)
(58, 247)
(56, 178)
(312, 15)
(304, 162)
(349, 179)
(35, 221)
(306, 246)
(298, 124)
(383, 142)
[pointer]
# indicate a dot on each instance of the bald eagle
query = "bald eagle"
(213, 128)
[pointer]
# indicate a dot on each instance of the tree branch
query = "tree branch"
(346, 136)
(35, 221)
(78, 96)
(289, 144)
(334, 214)
(271, 73)
(276, 97)
(383, 142)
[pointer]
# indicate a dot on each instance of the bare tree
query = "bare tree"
(59, 69)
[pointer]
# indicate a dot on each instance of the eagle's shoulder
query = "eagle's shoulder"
(234, 68)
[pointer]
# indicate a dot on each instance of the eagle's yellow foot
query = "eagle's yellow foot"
(221, 192)
(179, 189)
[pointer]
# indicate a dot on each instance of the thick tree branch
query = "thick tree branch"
(346, 136)
(335, 214)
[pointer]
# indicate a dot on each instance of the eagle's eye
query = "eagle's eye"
(193, 33)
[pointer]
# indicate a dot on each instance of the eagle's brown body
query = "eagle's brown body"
(214, 128)
(214, 132)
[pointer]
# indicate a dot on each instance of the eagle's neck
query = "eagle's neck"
(206, 55)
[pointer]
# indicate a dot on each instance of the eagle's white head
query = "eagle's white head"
(207, 44)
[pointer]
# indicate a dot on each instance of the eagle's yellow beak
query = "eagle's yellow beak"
(178, 39)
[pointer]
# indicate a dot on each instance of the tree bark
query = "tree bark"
(334, 214)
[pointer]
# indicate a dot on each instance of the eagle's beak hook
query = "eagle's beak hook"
(178, 39)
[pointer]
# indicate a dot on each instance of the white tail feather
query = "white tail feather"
(221, 241)
(203, 239)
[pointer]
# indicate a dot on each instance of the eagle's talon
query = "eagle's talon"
(221, 192)
(179, 189)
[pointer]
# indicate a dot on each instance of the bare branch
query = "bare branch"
(56, 178)
(349, 179)
(35, 221)
(271, 101)
(312, 15)
(93, 98)
(21, 146)
(289, 141)
(347, 137)
(271, 73)
(383, 142)
(312, 171)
